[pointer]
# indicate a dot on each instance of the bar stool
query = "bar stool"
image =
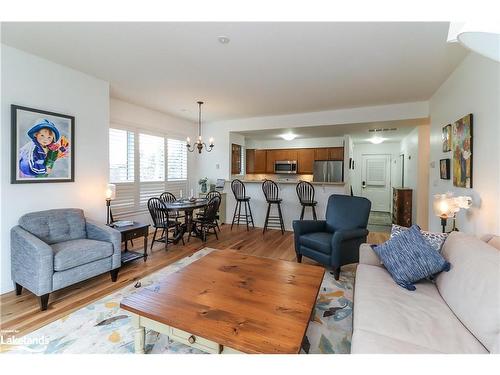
(271, 192)
(305, 192)
(238, 189)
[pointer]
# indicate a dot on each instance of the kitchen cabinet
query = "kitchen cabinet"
(262, 161)
(256, 161)
(250, 161)
(336, 153)
(235, 159)
(321, 154)
(270, 158)
(305, 160)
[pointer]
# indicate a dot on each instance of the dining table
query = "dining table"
(187, 206)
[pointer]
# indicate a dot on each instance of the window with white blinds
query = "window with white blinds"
(121, 156)
(144, 166)
(152, 158)
(177, 160)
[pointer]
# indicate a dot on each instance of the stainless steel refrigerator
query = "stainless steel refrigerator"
(328, 171)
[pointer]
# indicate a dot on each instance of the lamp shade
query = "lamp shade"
(446, 205)
(443, 205)
(111, 191)
(480, 37)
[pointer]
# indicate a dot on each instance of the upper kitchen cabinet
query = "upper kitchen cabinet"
(336, 153)
(305, 160)
(321, 154)
(278, 155)
(235, 159)
(256, 161)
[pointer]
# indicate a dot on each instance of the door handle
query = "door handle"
(363, 184)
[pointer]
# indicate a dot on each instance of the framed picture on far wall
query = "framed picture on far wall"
(444, 169)
(446, 138)
(42, 146)
(462, 152)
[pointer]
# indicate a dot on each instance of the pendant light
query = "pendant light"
(199, 143)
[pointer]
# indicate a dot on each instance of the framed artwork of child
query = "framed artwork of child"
(42, 146)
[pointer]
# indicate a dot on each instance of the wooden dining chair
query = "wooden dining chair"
(208, 221)
(305, 192)
(209, 196)
(168, 197)
(160, 217)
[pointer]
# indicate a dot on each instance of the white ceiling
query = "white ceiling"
(360, 133)
(266, 69)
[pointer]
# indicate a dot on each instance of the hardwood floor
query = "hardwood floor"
(21, 314)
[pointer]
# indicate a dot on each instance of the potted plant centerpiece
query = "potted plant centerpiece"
(203, 184)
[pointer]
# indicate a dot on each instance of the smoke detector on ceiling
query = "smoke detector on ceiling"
(223, 39)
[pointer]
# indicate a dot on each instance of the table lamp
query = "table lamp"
(446, 207)
(110, 195)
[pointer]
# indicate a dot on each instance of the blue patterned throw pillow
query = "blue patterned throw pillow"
(409, 258)
(436, 240)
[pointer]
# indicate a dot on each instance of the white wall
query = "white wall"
(474, 87)
(415, 147)
(217, 163)
(409, 147)
(296, 143)
(34, 82)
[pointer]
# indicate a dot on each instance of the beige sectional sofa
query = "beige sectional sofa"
(459, 313)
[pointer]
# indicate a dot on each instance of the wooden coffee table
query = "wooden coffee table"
(227, 302)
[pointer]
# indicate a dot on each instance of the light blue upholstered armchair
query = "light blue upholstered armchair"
(57, 248)
(335, 241)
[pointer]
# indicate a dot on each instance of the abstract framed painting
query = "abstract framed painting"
(42, 146)
(462, 152)
(444, 169)
(446, 138)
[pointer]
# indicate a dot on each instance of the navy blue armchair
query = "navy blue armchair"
(335, 241)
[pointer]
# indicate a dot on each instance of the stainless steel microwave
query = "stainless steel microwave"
(285, 166)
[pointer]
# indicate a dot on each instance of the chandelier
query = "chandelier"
(199, 143)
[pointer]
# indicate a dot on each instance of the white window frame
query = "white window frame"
(136, 184)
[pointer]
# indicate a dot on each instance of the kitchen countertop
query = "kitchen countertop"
(294, 182)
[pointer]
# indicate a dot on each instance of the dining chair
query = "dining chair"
(209, 196)
(168, 197)
(208, 220)
(160, 217)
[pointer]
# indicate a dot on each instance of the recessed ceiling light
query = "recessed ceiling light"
(376, 140)
(288, 136)
(223, 39)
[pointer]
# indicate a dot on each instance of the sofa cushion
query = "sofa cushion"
(54, 226)
(472, 287)
(390, 319)
(69, 254)
(409, 258)
(320, 241)
(436, 240)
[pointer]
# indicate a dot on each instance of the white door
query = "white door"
(376, 181)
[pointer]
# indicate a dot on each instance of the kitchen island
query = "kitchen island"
(290, 206)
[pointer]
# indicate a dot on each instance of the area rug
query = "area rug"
(102, 327)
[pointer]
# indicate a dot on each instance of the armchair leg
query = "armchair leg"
(114, 274)
(19, 289)
(299, 258)
(44, 302)
(336, 273)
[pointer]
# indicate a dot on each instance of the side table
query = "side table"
(131, 232)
